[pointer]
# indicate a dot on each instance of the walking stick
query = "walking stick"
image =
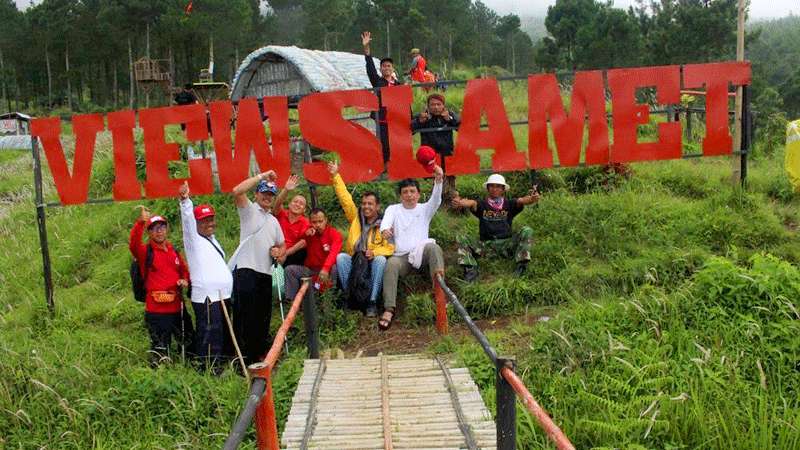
(183, 336)
(235, 344)
(277, 288)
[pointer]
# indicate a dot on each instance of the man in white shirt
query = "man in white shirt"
(407, 223)
(260, 240)
(211, 279)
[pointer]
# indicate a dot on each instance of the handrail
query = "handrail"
(553, 431)
(506, 432)
(260, 403)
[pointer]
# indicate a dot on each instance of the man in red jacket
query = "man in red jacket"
(165, 274)
(324, 243)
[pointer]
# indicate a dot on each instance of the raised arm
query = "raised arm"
(432, 205)
(345, 199)
(135, 245)
(531, 198)
(291, 184)
(241, 189)
(458, 203)
(188, 222)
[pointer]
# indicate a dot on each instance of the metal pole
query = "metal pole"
(747, 130)
(239, 430)
(311, 322)
(42, 223)
(266, 423)
(506, 407)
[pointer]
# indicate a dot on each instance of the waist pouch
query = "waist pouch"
(164, 296)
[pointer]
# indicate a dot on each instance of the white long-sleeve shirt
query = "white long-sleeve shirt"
(208, 270)
(410, 226)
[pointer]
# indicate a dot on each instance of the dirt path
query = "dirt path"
(405, 338)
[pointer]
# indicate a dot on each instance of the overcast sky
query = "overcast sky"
(759, 9)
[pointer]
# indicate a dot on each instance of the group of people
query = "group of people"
(388, 245)
(232, 297)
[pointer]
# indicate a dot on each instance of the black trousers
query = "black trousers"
(213, 343)
(161, 328)
(252, 294)
(383, 135)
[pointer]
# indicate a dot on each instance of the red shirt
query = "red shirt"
(163, 274)
(292, 232)
(322, 249)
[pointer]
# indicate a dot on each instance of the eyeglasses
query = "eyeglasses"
(158, 227)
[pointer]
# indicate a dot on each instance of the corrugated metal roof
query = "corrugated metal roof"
(281, 70)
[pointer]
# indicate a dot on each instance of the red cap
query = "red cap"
(427, 157)
(203, 211)
(154, 220)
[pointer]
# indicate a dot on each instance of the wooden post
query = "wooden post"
(736, 162)
(69, 85)
(41, 222)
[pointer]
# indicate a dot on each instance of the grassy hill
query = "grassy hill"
(672, 297)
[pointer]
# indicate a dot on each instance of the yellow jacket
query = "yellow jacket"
(375, 240)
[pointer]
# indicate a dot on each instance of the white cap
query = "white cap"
(496, 178)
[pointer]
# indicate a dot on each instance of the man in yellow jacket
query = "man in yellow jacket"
(371, 242)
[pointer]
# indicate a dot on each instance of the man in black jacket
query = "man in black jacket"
(436, 115)
(386, 78)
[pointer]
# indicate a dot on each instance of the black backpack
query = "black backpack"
(359, 285)
(138, 278)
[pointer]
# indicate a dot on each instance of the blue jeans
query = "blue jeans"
(344, 263)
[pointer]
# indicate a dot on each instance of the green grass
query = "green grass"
(662, 299)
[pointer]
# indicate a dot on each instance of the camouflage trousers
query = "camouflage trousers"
(519, 246)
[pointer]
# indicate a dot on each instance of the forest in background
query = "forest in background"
(76, 55)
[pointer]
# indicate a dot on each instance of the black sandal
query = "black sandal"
(383, 322)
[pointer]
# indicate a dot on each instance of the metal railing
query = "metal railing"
(508, 385)
(259, 407)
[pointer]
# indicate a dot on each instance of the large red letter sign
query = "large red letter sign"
(544, 100)
(126, 186)
(397, 100)
(234, 164)
(628, 115)
(158, 153)
(323, 126)
(484, 96)
(716, 77)
(72, 189)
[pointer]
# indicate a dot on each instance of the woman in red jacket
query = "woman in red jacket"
(165, 274)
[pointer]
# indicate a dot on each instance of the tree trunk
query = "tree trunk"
(115, 86)
(513, 56)
(69, 85)
(49, 77)
(132, 97)
(3, 73)
(388, 41)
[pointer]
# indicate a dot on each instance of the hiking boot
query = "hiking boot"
(372, 311)
(470, 274)
(521, 269)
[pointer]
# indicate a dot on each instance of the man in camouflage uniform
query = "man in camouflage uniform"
(495, 215)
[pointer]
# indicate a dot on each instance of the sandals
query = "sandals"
(383, 322)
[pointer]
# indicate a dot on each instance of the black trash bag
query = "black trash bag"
(359, 285)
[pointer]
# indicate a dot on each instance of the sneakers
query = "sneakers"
(470, 273)
(521, 269)
(372, 311)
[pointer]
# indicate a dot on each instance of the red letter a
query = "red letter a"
(484, 96)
